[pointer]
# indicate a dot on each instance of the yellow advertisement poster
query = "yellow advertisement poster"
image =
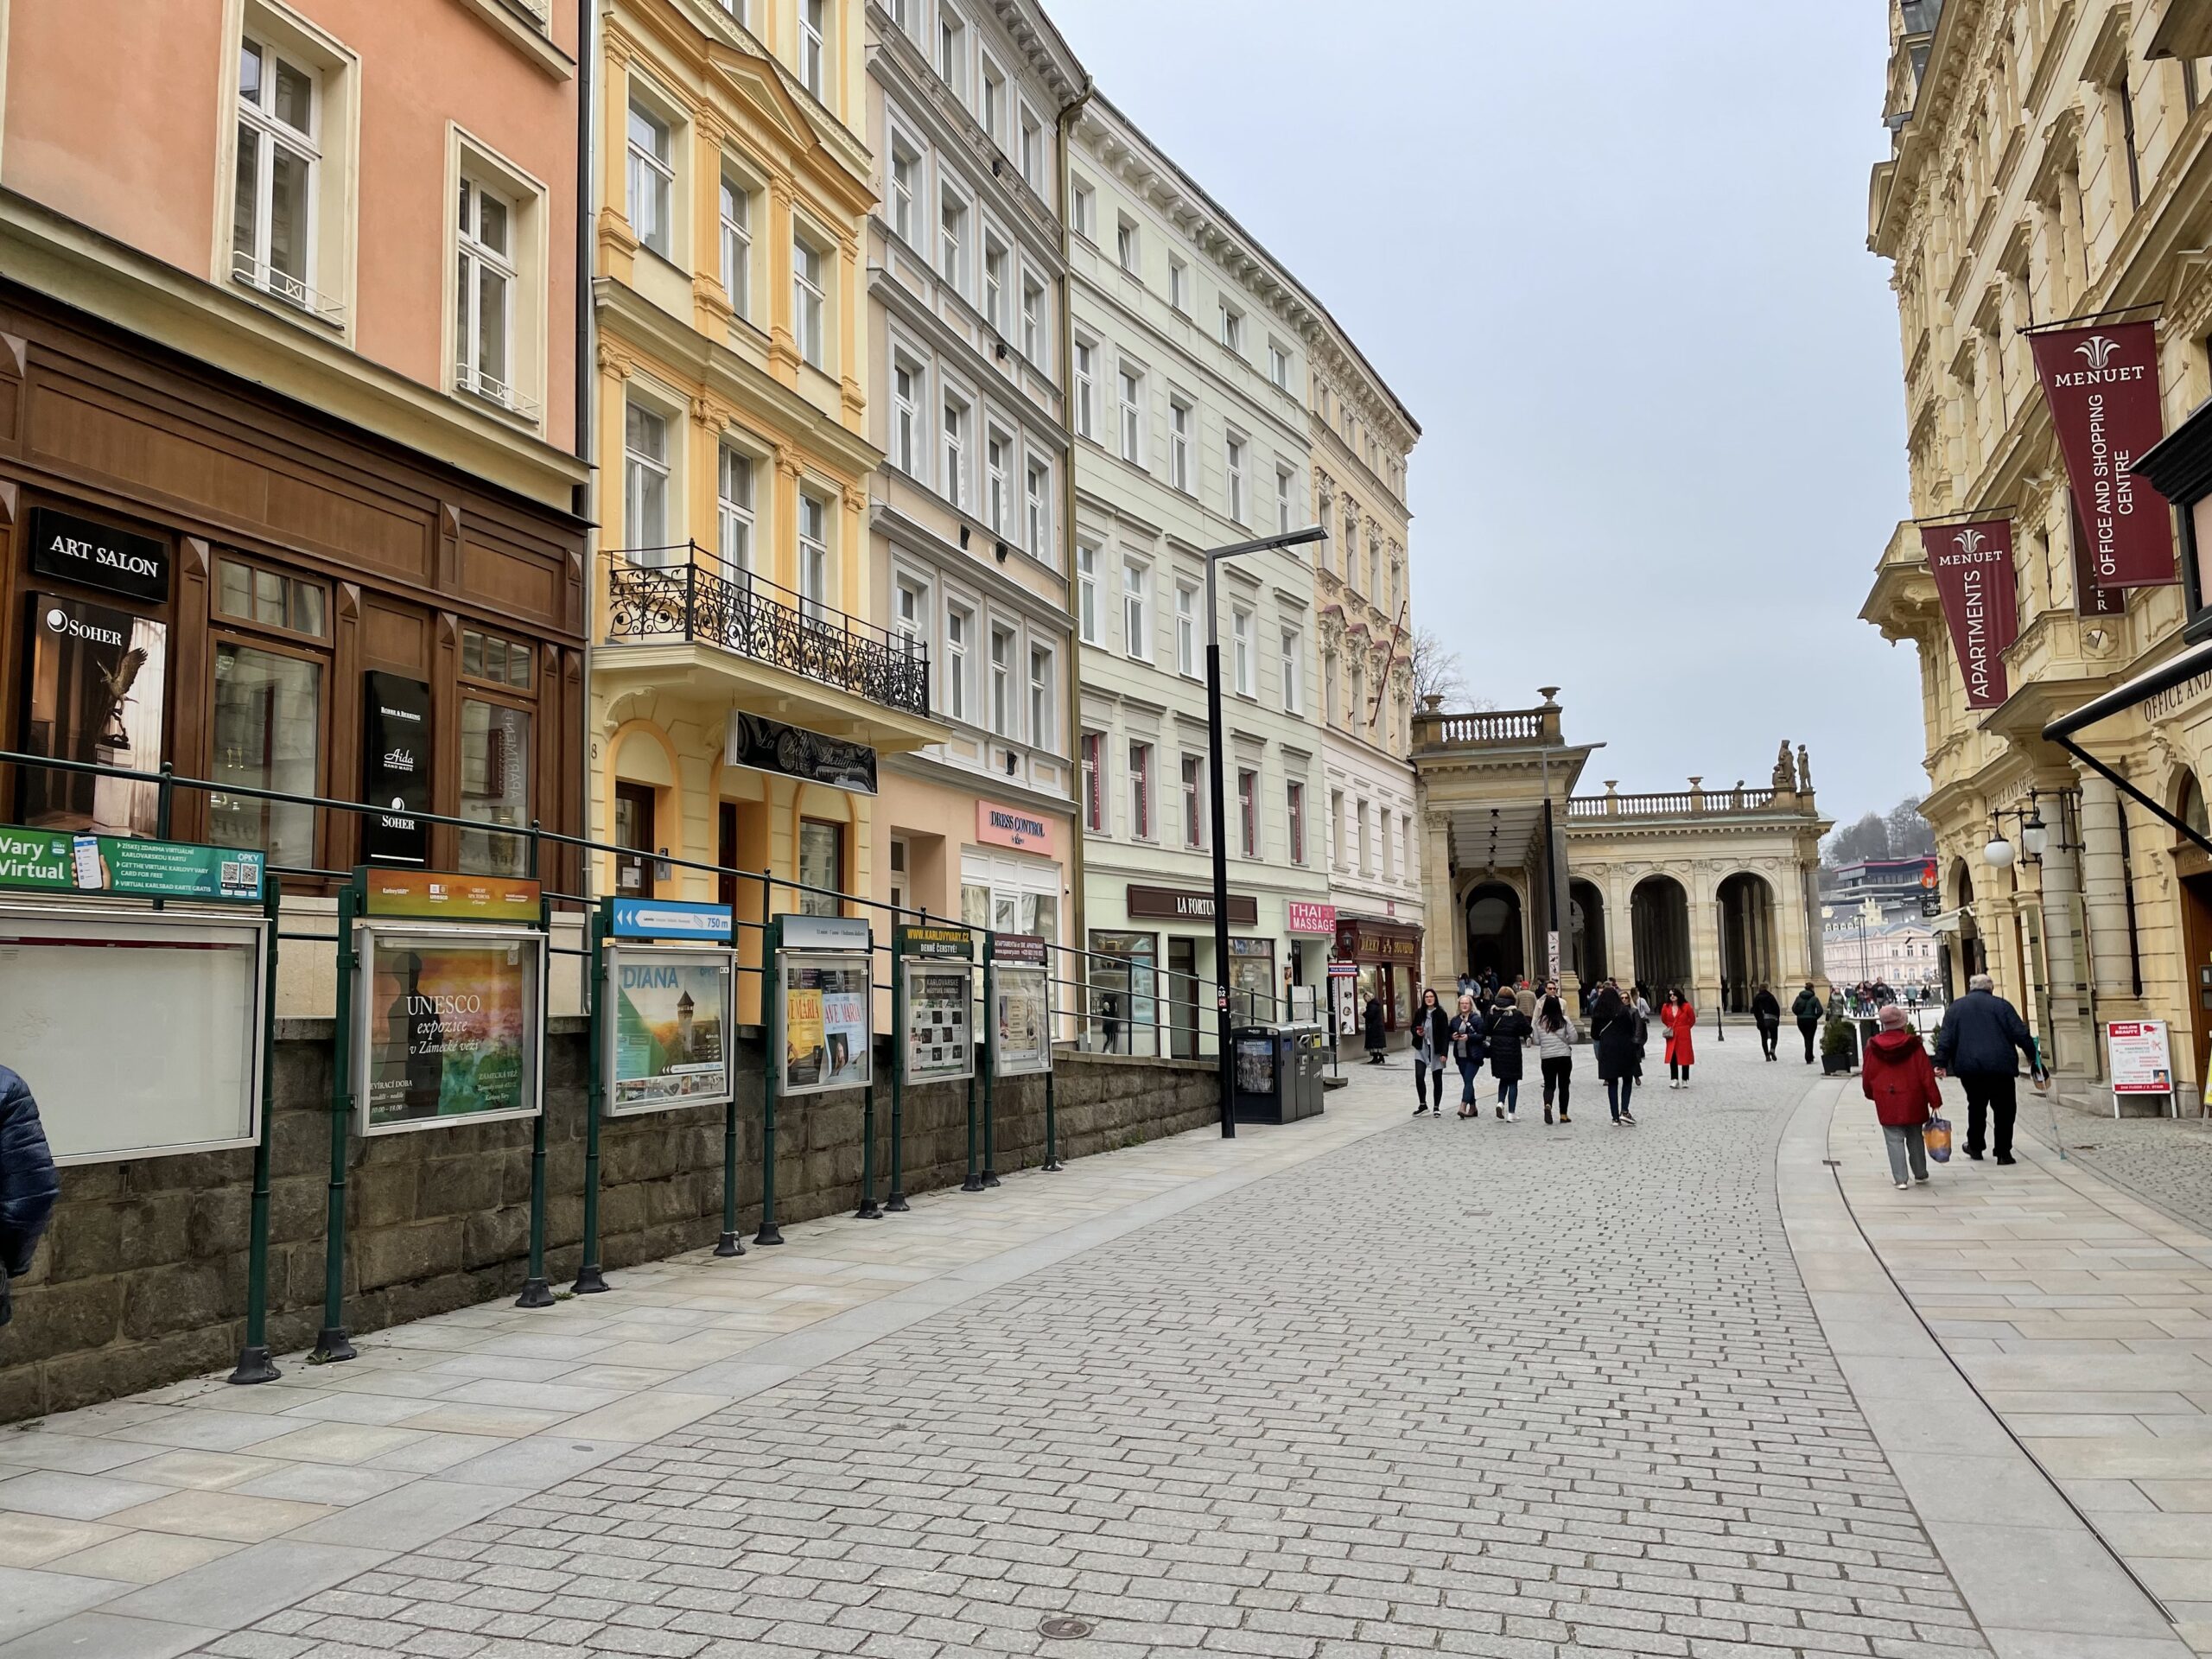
(801, 1028)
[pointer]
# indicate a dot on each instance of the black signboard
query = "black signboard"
(395, 769)
(770, 745)
(99, 555)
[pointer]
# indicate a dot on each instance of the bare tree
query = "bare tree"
(1909, 833)
(1868, 838)
(1437, 672)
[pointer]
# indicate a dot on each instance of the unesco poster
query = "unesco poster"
(452, 1028)
(670, 1014)
(825, 1024)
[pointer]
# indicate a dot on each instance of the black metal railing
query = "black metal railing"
(694, 598)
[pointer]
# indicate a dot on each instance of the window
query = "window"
(910, 612)
(494, 786)
(737, 245)
(1179, 286)
(734, 510)
(1125, 245)
(1132, 415)
(1337, 827)
(271, 600)
(1094, 787)
(1279, 364)
(1041, 698)
(651, 179)
(1086, 389)
(906, 186)
(1193, 800)
(272, 226)
(1179, 444)
(1187, 629)
(1292, 663)
(1141, 791)
(484, 295)
(956, 433)
(1374, 566)
(1294, 817)
(906, 418)
(813, 556)
(1329, 704)
(1233, 469)
(994, 283)
(1082, 209)
(1247, 811)
(1136, 628)
(994, 111)
(1002, 681)
(951, 50)
(1358, 712)
(959, 630)
(1284, 481)
(806, 299)
(268, 733)
(1366, 846)
(952, 238)
(1406, 846)
(1240, 640)
(1033, 321)
(997, 450)
(821, 866)
(1086, 594)
(1032, 150)
(644, 484)
(1232, 327)
(1036, 490)
(812, 55)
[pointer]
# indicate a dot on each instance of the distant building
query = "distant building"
(1886, 880)
(1898, 953)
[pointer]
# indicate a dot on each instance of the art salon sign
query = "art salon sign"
(1972, 566)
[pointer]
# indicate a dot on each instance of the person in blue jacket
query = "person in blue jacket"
(1981, 1032)
(29, 1184)
(1469, 1048)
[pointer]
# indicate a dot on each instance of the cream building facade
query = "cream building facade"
(2051, 162)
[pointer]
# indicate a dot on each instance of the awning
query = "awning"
(2175, 671)
(1948, 922)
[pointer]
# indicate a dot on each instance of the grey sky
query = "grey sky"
(1612, 256)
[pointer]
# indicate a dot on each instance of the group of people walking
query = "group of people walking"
(1496, 1026)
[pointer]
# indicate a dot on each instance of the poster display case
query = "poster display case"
(1020, 989)
(824, 1033)
(450, 1024)
(668, 1042)
(940, 1001)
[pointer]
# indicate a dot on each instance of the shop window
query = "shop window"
(494, 787)
(267, 734)
(821, 866)
(501, 662)
(269, 599)
(634, 829)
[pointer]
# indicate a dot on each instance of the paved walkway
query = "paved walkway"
(1365, 1386)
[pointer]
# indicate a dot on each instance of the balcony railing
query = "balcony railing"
(1669, 804)
(736, 611)
(1500, 726)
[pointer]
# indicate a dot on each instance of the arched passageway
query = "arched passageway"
(1585, 907)
(1747, 959)
(1659, 923)
(1494, 934)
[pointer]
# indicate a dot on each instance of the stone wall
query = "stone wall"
(142, 1278)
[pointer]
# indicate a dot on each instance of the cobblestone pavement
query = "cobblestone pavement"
(2166, 1161)
(1467, 1387)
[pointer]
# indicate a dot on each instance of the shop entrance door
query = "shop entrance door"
(1183, 996)
(2196, 941)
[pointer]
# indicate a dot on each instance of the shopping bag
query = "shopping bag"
(1936, 1136)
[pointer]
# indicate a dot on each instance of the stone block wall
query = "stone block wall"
(141, 1280)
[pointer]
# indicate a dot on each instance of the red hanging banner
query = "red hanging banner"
(1972, 565)
(2102, 387)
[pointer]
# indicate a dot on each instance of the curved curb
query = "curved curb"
(2040, 1581)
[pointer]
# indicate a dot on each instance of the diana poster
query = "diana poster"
(452, 1028)
(825, 1017)
(668, 1044)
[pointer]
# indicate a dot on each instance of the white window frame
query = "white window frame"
(1292, 663)
(994, 105)
(1293, 805)
(905, 180)
(1136, 609)
(909, 434)
(1285, 483)
(998, 454)
(1086, 388)
(959, 638)
(1233, 450)
(816, 570)
(735, 236)
(1186, 630)
(814, 48)
(650, 172)
(1032, 158)
(735, 524)
(1178, 287)
(1082, 209)
(1042, 687)
(646, 545)
(1086, 593)
(952, 237)
(997, 266)
(272, 132)
(1037, 510)
(1232, 328)
(1241, 619)
(1190, 785)
(1279, 364)
(1128, 249)
(909, 609)
(1248, 811)
(1143, 826)
(1032, 319)
(953, 448)
(1130, 389)
(810, 300)
(1179, 445)
(952, 55)
(1005, 641)
(1091, 750)
(475, 261)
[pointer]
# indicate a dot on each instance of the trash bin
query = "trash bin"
(1307, 1046)
(1261, 1072)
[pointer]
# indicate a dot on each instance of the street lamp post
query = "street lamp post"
(1224, 1055)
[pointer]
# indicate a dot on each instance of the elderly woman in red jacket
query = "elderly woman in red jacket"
(1900, 1079)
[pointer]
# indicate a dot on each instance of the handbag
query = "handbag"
(1936, 1136)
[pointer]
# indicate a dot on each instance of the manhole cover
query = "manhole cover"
(1062, 1629)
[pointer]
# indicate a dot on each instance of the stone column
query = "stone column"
(2066, 959)
(1443, 947)
(2104, 891)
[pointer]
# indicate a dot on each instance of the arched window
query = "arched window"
(2190, 808)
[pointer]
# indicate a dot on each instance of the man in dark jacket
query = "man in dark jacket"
(1807, 1008)
(1766, 1008)
(28, 1184)
(1981, 1031)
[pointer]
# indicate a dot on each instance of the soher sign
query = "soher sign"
(2102, 386)
(1973, 564)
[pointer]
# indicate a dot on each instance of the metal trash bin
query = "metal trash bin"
(1306, 1051)
(1259, 1072)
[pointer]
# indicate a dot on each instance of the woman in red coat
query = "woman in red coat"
(1900, 1079)
(1680, 1020)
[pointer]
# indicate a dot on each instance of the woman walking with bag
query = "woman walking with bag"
(1898, 1077)
(1612, 1032)
(1555, 1037)
(1468, 1048)
(1508, 1029)
(1432, 1042)
(1680, 1020)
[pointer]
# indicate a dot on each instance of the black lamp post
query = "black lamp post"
(1226, 1058)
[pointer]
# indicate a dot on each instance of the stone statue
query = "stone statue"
(1781, 769)
(1804, 771)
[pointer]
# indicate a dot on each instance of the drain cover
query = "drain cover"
(1061, 1628)
(1833, 1163)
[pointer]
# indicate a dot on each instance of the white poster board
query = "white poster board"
(940, 1020)
(1022, 1004)
(667, 1036)
(138, 1030)
(2140, 1061)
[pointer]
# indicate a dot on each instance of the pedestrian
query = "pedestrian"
(1524, 998)
(1509, 1030)
(28, 1184)
(1372, 1023)
(1979, 1035)
(1642, 1000)
(1432, 1042)
(1612, 1033)
(1807, 1008)
(1680, 1020)
(1468, 1049)
(1555, 1040)
(1896, 1075)
(1766, 1008)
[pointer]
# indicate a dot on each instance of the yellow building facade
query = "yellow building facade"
(2052, 165)
(742, 689)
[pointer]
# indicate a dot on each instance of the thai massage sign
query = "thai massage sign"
(1973, 564)
(2102, 385)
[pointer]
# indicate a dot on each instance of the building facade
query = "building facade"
(968, 518)
(290, 422)
(1362, 437)
(744, 691)
(1864, 944)
(2050, 166)
(1188, 383)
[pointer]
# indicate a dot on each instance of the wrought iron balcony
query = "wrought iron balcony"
(706, 603)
